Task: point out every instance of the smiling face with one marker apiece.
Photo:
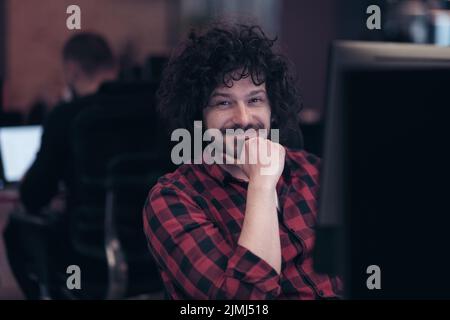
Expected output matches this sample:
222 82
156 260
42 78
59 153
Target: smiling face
243 106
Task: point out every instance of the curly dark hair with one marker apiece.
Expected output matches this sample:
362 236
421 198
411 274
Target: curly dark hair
212 58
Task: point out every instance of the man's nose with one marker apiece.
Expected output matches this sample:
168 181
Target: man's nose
242 115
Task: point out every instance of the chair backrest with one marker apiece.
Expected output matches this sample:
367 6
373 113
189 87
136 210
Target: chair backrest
129 178
121 121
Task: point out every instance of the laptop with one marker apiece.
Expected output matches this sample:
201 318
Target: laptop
18 148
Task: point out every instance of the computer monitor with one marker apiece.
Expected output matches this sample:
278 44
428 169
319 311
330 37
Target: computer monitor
385 195
18 148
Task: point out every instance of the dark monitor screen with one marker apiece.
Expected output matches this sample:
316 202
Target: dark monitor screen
398 169
385 183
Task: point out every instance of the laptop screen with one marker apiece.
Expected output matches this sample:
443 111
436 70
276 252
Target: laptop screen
18 148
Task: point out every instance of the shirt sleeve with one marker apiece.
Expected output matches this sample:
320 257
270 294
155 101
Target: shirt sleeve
194 255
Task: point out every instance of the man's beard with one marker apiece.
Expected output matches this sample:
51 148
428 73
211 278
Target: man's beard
233 143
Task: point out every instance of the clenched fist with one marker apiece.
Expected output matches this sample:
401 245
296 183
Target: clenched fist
262 161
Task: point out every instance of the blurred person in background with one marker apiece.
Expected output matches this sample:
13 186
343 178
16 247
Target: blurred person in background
88 62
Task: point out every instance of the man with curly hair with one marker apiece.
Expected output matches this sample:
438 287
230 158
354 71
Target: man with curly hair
231 231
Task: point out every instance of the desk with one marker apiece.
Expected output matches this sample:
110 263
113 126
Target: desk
9 200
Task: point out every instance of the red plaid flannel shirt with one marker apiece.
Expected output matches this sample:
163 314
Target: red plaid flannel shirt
193 219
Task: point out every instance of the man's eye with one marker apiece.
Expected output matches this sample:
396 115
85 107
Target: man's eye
223 103
255 100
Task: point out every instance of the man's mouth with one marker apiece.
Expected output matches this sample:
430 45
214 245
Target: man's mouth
242 134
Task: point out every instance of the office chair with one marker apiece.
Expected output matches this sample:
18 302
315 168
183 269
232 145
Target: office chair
118 155
130 267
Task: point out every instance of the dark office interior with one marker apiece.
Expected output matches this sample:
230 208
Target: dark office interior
120 145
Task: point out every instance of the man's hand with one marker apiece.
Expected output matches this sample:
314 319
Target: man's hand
262 161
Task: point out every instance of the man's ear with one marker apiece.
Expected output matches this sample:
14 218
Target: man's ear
273 121
72 71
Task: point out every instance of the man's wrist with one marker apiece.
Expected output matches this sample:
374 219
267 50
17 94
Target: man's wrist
262 184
